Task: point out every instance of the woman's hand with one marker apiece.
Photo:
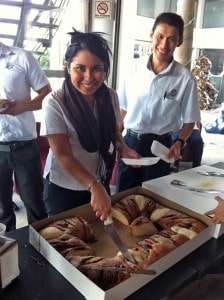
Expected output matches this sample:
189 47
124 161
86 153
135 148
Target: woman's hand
100 201
130 153
218 212
127 152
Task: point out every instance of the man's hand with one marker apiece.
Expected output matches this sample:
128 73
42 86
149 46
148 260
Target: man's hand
174 151
14 107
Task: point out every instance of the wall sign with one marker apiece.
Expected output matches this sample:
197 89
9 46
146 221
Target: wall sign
103 9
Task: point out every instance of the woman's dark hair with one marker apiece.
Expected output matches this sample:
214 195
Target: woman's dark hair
94 43
171 19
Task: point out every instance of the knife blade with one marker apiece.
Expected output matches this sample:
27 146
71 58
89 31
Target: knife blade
183 185
209 191
109 227
128 270
212 174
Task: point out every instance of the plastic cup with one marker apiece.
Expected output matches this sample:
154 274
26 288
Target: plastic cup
2 229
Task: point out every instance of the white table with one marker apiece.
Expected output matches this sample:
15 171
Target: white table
196 201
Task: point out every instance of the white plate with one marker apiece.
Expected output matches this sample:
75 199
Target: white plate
143 161
161 151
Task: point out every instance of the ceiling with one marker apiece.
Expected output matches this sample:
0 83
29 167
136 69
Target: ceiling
30 24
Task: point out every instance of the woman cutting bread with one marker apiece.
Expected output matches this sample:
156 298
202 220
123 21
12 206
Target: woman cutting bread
81 124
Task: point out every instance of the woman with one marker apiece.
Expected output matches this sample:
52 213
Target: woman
81 124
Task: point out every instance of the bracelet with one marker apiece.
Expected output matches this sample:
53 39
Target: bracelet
92 184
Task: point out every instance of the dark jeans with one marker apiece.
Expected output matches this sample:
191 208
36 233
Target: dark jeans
128 177
58 199
195 144
24 164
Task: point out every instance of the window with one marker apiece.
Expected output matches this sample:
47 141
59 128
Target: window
216 56
214 14
41 27
151 8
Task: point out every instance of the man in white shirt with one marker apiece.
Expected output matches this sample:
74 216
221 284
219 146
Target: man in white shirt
154 100
19 154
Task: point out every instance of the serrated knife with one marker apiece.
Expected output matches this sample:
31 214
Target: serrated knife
109 227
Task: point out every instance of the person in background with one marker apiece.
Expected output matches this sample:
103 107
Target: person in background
154 100
20 73
81 124
195 146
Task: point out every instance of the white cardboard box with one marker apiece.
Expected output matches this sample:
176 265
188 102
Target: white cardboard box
196 201
106 248
9 264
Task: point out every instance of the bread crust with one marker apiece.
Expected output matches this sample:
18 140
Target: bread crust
104 279
50 232
142 226
132 207
70 236
76 226
173 228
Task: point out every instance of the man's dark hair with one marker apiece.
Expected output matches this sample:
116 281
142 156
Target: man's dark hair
171 19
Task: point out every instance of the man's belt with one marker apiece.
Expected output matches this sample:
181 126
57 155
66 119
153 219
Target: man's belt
15 145
147 136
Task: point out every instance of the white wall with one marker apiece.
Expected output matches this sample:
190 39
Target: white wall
132 27
105 24
209 38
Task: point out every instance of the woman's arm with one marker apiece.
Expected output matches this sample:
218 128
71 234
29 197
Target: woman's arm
122 148
61 147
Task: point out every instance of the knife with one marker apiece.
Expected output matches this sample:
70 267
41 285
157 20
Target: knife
184 186
217 174
128 270
109 227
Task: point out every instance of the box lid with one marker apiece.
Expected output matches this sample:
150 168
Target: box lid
5 244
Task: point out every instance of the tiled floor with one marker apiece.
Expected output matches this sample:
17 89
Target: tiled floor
213 153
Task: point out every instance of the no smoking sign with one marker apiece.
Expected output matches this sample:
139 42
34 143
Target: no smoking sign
103 9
